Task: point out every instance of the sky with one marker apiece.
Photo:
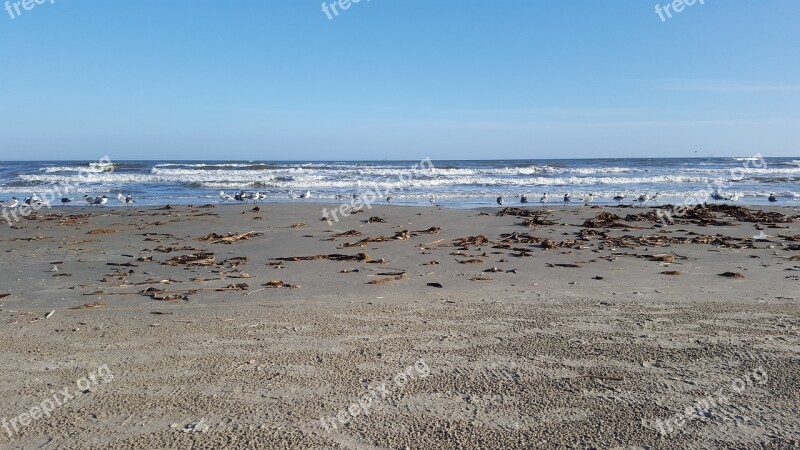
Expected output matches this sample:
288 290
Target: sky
398 79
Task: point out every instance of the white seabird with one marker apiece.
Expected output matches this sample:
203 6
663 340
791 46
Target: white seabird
644 198
101 201
306 194
656 197
13 203
89 199
544 198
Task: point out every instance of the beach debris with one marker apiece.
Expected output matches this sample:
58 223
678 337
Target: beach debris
236 261
4 295
194 259
230 238
662 258
298 225
402 276
198 426
470 261
91 305
50 314
350 233
479 278
734 275
465 242
280 284
162 295
235 287
375 219
436 285
605 220
573 266
671 272
494 269
161 313
102 231
361 257
431 263
431 230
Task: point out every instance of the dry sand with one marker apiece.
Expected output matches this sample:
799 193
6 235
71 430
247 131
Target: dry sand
584 345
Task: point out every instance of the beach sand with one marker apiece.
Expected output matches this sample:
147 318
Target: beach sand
558 335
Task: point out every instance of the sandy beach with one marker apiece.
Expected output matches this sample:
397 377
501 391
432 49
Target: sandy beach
264 326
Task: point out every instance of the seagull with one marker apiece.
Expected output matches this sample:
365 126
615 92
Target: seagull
89 199
432 199
261 196
239 196
389 199
65 200
716 196
589 199
656 197
126 200
544 198
523 199
761 236
224 196
307 194
643 199
500 200
13 203
734 197
772 198
567 199
252 196
619 198
101 201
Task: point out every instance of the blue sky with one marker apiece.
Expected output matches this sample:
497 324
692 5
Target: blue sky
398 79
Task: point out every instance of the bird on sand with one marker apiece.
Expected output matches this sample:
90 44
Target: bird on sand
567 199
544 198
619 198
500 200
772 198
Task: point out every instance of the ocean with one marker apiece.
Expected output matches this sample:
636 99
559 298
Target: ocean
458 184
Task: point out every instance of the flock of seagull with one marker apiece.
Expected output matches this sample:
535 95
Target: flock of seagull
259 197
35 201
642 199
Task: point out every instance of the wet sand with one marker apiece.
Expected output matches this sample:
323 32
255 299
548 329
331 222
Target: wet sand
222 326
